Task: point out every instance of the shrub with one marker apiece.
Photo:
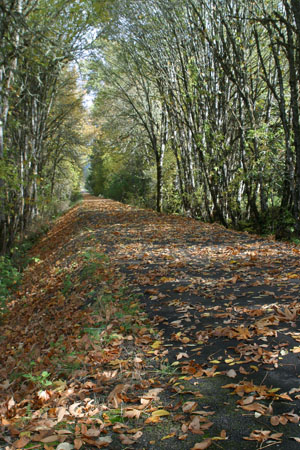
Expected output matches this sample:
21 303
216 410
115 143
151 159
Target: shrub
129 186
10 278
76 196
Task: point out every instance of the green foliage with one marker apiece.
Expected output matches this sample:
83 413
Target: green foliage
94 261
119 179
276 221
42 379
76 197
10 277
129 186
95 182
67 285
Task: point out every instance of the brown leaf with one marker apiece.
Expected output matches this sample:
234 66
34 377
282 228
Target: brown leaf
93 432
132 413
126 440
255 407
188 407
182 437
100 442
202 445
246 400
61 413
195 425
275 421
137 435
283 420
153 419
182 355
22 442
223 434
51 438
11 403
73 409
276 436
78 443
263 435
114 398
153 394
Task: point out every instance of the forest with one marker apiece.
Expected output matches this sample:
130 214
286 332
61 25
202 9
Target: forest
161 310
195 109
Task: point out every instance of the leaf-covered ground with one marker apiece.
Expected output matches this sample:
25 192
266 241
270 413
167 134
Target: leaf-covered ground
133 330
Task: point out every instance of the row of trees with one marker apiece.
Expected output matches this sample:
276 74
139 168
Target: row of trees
41 113
207 92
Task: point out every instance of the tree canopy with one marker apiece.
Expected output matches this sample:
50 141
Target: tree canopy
196 108
41 117
207 95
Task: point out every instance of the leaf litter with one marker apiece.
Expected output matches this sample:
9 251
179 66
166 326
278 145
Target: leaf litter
84 367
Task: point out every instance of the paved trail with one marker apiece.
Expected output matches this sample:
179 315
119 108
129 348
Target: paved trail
224 301
217 367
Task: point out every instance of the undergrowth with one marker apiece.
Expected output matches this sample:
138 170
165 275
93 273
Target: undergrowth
12 265
10 277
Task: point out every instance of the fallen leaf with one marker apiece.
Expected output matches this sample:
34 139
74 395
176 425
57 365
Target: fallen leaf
132 413
11 403
160 413
202 445
188 407
261 409
231 373
22 442
61 413
48 439
168 436
182 437
126 440
275 421
263 435
78 443
114 398
152 419
156 345
65 446
102 442
182 355
92 432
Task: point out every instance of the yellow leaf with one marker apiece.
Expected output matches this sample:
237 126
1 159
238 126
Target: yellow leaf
168 436
160 413
25 433
152 419
156 345
254 368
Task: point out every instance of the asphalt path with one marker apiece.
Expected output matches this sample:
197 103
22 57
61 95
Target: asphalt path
227 306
